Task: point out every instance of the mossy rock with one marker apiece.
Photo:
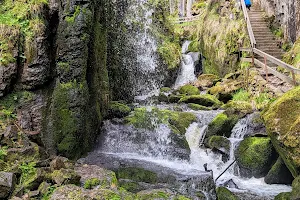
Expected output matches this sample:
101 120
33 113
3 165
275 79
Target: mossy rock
118 110
91 183
194 106
242 107
255 156
162 97
65 176
279 174
221 125
225 90
155 194
225 194
189 90
220 143
282 120
283 196
295 195
137 174
204 100
165 89
174 98
177 121
131 186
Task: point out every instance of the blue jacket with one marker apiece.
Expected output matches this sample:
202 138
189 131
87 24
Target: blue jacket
248 2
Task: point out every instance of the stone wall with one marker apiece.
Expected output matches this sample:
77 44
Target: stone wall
287 14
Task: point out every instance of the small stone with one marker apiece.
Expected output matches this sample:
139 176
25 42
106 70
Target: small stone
7 184
43 188
56 164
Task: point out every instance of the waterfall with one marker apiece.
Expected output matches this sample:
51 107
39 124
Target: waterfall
187 66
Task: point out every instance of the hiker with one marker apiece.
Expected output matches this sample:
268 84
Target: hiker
248 4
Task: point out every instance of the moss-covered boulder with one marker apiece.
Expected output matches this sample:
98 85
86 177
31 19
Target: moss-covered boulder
194 106
118 110
161 194
189 90
282 120
279 174
204 100
283 196
220 143
225 90
255 156
165 89
240 107
205 81
162 97
137 174
174 98
221 125
65 176
177 121
225 194
295 195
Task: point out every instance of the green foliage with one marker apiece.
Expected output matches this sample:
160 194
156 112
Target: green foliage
3 152
90 183
28 171
171 53
241 95
194 46
263 100
71 19
48 194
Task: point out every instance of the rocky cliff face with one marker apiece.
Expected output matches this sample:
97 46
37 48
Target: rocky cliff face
287 14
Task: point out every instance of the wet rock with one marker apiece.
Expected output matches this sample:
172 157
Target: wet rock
7 184
188 90
295 195
205 81
221 125
118 110
194 106
282 120
283 196
65 176
255 156
174 98
220 143
204 100
93 173
57 163
158 194
137 174
162 97
230 184
225 194
279 174
239 107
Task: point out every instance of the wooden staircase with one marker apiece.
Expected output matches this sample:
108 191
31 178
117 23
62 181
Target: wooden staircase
265 40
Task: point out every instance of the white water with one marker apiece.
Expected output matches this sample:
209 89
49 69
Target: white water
187 67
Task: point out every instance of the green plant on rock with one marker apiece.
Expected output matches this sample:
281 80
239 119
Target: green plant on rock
3 152
28 172
241 95
171 54
71 19
48 194
90 183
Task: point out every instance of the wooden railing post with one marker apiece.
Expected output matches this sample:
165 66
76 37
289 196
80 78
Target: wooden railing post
266 69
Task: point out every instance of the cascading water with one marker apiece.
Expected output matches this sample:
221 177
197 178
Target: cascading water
187 67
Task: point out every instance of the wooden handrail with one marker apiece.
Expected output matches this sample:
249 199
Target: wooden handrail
276 61
249 27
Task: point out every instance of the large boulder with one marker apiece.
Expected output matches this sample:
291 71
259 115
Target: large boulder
255 156
7 184
282 120
118 109
225 194
220 143
137 174
221 125
204 100
295 195
189 90
279 174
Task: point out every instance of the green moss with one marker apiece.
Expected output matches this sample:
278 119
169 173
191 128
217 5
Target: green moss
296 189
165 89
153 194
29 174
194 46
63 66
171 53
130 186
189 90
162 97
283 196
205 100
65 176
239 106
137 174
174 98
177 121
219 142
71 19
225 194
194 106
221 125
282 119
118 109
90 183
255 154
241 95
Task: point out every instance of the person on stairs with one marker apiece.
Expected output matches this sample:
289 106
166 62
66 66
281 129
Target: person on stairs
248 4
